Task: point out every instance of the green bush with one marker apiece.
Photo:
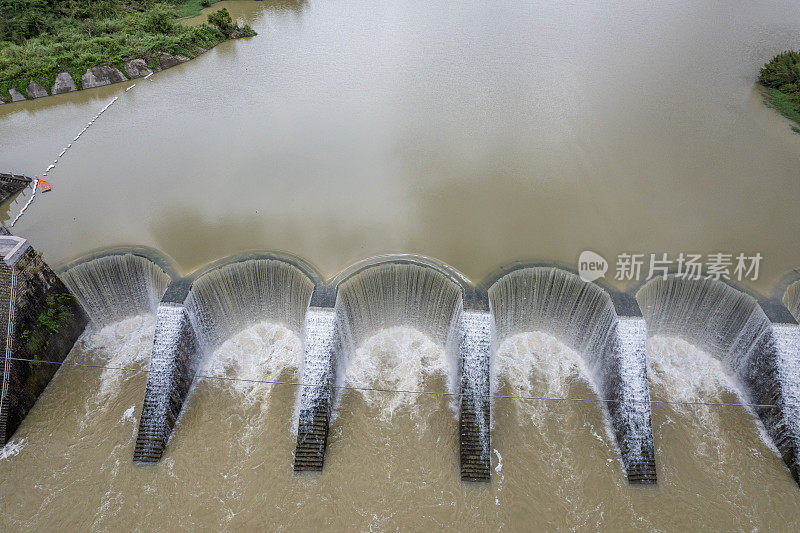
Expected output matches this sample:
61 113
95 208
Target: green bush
782 72
159 19
781 76
223 21
57 315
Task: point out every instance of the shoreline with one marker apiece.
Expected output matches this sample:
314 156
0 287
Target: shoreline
107 74
158 43
781 102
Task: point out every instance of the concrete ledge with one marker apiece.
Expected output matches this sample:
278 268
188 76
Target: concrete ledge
173 365
474 420
321 345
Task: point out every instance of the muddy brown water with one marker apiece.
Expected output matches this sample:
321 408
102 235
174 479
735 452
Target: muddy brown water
391 461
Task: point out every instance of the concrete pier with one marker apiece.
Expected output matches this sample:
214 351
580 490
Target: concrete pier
173 365
474 420
320 347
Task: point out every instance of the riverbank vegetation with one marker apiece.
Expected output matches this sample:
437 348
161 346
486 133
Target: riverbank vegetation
40 38
781 77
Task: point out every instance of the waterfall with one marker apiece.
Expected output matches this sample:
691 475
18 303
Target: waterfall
235 296
583 316
558 303
792 299
719 319
115 287
761 356
398 294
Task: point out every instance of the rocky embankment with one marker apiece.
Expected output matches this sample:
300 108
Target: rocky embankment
103 75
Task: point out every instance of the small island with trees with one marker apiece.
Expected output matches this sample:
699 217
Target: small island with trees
56 46
781 78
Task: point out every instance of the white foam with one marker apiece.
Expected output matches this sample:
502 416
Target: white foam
12 448
398 358
538 364
124 344
680 372
260 352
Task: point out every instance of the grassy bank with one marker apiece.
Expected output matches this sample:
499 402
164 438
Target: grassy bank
40 38
192 8
781 77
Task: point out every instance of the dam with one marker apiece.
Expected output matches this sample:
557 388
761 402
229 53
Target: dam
754 337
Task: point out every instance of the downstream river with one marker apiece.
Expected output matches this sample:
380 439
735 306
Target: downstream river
474 132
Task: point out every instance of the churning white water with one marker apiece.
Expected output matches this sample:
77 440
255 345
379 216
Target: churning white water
122 347
259 353
538 364
695 380
399 358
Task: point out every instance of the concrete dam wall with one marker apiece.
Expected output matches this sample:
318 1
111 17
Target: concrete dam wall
755 337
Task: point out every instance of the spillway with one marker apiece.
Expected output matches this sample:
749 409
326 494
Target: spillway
393 294
230 298
197 315
588 320
372 299
759 352
115 287
756 339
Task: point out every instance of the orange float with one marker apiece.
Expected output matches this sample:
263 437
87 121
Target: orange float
44 186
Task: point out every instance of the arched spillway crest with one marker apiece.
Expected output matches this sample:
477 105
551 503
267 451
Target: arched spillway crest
230 298
117 285
585 317
755 338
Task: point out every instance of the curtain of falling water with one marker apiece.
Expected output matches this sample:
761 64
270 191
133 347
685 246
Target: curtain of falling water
727 323
399 294
233 297
556 302
116 287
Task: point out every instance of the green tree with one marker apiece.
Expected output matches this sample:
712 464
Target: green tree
159 19
782 72
223 21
